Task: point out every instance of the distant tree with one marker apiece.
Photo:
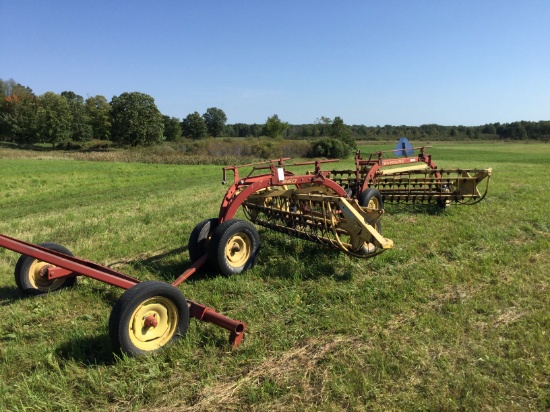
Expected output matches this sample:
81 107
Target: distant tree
241 129
172 128
19 117
136 120
98 110
55 119
306 131
360 130
4 128
256 130
274 127
194 126
342 132
81 130
11 88
215 121
230 131
324 120
329 147
323 125
519 131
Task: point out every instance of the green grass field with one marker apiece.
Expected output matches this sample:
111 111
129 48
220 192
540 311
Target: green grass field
455 317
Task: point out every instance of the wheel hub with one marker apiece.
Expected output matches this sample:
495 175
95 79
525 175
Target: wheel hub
153 323
237 250
38 276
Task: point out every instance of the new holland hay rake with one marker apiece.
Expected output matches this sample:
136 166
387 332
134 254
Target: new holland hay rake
413 179
311 206
151 314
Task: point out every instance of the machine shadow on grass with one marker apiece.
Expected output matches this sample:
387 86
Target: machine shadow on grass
93 350
301 259
400 208
309 262
88 350
8 295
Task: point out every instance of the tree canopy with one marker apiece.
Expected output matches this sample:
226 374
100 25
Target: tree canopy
133 119
81 130
340 131
55 119
98 110
136 120
19 118
275 127
194 126
172 129
215 121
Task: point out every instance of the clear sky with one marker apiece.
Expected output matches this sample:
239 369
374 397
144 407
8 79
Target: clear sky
372 62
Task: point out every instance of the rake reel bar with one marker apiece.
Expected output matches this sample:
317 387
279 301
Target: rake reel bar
332 221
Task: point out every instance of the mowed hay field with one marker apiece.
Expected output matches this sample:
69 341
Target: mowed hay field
455 317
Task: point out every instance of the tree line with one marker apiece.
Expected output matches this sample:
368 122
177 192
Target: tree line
133 119
520 130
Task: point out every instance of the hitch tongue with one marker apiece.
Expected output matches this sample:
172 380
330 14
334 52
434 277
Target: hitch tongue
206 314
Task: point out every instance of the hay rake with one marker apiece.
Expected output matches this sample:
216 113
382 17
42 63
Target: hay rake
310 207
414 180
151 314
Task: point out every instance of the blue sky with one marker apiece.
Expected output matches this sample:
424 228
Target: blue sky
398 62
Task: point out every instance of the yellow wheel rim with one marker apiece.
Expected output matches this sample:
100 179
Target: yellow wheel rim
42 283
373 203
153 323
237 250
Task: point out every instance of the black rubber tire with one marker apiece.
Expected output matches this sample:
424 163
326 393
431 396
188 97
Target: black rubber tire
161 300
373 196
29 283
244 236
200 237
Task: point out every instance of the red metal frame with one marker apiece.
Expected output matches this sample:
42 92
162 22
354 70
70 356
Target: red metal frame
377 163
69 263
66 266
235 197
